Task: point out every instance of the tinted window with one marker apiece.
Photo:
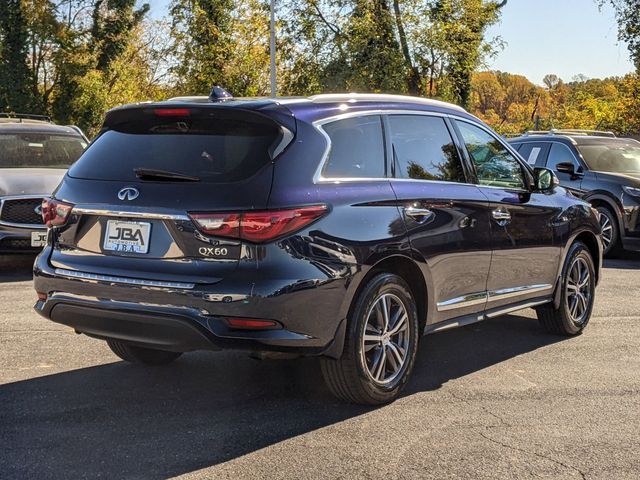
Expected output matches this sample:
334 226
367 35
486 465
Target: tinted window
495 165
621 156
217 147
533 153
423 149
560 153
37 150
357 148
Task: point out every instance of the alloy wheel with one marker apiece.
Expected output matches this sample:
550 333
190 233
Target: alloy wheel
607 231
578 292
386 338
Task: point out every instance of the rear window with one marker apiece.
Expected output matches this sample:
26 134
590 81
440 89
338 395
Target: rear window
37 150
214 146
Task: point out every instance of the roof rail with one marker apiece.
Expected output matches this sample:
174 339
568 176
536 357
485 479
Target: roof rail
25 116
571 131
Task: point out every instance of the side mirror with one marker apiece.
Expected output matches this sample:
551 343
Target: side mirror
566 167
545 180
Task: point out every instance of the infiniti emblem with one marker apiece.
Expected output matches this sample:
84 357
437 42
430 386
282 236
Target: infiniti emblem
128 193
38 210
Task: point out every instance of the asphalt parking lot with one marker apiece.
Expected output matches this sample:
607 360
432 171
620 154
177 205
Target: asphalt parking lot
499 399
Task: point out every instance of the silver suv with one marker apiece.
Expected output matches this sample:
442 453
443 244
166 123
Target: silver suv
34 156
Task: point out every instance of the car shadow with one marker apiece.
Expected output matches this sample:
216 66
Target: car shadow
119 420
16 267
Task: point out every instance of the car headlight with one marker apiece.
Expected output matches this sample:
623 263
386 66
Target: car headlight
633 191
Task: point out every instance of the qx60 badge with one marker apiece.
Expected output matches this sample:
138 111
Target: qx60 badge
128 193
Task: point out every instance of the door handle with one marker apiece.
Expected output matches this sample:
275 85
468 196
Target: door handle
502 217
419 215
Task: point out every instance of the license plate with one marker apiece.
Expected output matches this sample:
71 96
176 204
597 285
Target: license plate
38 239
127 237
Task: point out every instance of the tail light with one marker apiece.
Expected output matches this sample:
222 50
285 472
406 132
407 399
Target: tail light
258 226
54 212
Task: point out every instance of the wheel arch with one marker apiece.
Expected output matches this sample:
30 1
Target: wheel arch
595 249
599 199
405 267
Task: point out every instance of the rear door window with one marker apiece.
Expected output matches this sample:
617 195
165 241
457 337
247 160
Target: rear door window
213 145
357 148
535 154
423 149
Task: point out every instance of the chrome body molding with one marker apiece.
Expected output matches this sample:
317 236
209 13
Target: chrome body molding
94 277
31 226
130 212
463 302
505 293
490 296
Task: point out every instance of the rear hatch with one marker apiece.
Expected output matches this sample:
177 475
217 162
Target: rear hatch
135 188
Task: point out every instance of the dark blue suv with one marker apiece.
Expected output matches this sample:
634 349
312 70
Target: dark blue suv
342 226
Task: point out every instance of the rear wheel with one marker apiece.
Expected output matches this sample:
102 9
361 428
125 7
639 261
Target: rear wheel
610 231
146 356
381 344
578 292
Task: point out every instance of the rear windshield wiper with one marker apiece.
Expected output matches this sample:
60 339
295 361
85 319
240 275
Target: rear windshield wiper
151 174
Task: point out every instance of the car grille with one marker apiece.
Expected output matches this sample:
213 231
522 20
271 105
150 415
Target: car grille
21 211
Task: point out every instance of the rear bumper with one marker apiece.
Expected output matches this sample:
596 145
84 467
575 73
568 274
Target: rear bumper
177 319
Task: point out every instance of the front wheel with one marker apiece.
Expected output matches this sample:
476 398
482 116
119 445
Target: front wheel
146 356
380 346
610 231
578 286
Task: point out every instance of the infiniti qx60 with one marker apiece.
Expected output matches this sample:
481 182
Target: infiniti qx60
339 226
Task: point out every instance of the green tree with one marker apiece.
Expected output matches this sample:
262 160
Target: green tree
16 79
464 24
201 30
113 22
628 15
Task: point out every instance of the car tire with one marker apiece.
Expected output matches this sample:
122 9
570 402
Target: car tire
363 374
146 356
578 285
610 231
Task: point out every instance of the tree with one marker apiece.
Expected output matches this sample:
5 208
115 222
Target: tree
628 16
464 23
113 22
16 79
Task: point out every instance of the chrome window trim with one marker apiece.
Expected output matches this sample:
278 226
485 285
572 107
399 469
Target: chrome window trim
30 226
131 212
94 277
318 124
478 298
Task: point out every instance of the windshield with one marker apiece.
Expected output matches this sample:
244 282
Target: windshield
39 150
615 157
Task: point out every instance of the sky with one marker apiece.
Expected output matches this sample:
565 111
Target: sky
565 37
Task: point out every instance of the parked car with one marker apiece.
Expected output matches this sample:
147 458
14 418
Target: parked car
599 168
342 226
34 156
